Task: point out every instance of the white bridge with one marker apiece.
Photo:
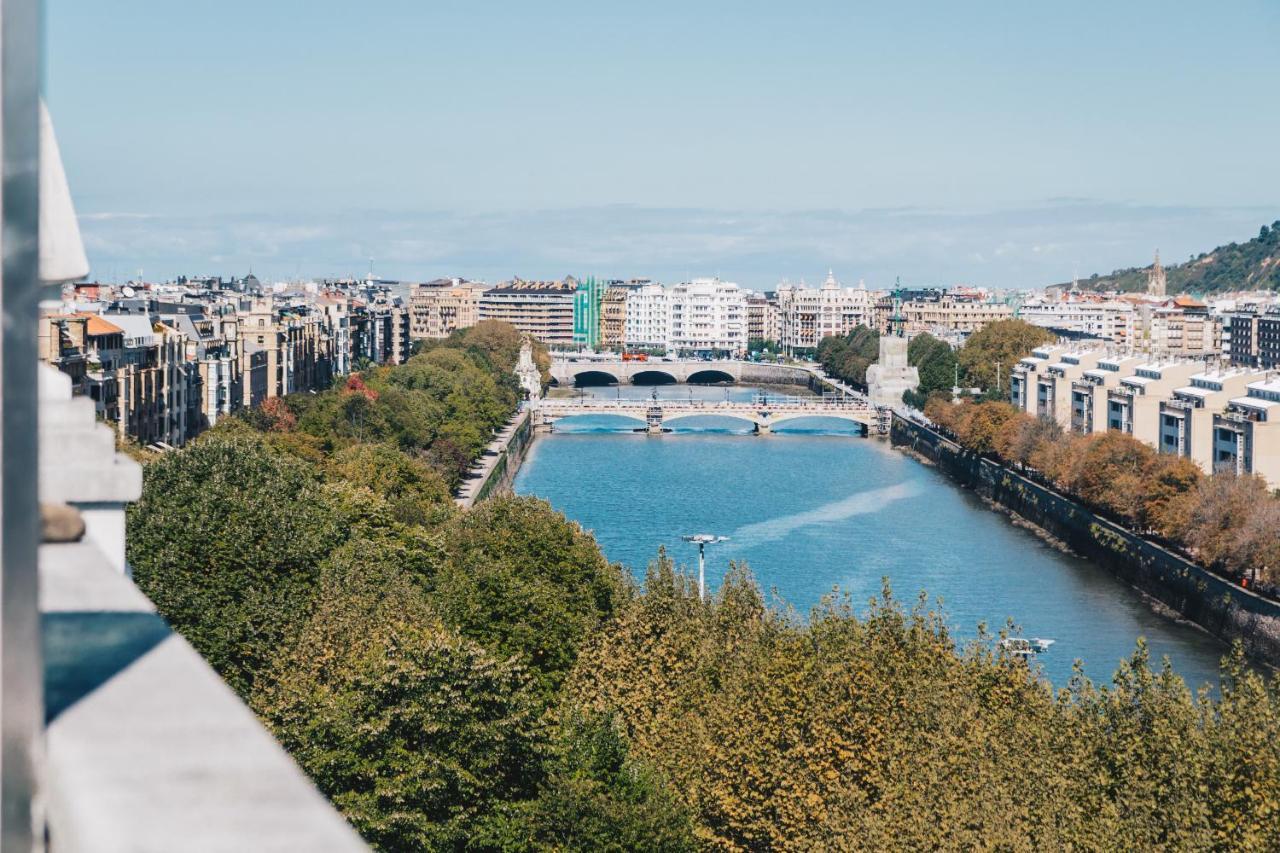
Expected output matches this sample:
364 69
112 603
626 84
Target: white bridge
568 372
764 411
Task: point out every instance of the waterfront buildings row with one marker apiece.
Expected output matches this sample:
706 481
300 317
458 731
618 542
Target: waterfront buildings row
1222 417
703 316
164 363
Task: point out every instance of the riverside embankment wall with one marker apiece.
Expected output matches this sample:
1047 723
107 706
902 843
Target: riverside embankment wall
1214 603
509 454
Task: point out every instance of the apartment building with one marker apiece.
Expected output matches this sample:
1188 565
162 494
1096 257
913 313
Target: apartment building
543 309
1184 328
764 321
613 318
1089 392
1055 383
708 317
1023 377
1133 406
938 312
441 307
806 315
1251 338
648 318
1246 436
1186 417
1083 316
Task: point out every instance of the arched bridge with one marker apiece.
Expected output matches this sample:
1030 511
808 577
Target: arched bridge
618 372
764 412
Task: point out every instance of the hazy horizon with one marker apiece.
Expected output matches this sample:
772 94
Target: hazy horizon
942 144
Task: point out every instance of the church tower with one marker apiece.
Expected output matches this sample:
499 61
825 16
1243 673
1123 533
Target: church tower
1156 278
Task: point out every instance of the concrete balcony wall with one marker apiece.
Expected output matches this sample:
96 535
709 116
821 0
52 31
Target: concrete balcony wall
146 748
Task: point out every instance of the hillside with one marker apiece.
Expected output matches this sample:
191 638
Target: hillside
1253 265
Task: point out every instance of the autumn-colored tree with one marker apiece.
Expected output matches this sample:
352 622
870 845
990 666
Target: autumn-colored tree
1004 341
1115 473
986 424
1172 483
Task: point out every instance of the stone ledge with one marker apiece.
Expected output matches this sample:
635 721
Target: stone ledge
147 748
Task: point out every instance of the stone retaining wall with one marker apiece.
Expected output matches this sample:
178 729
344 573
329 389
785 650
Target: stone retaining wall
1214 603
503 474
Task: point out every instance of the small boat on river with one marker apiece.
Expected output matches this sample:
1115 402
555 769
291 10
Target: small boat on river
1023 647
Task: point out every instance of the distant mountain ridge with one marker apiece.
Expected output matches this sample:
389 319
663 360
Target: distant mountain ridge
1253 265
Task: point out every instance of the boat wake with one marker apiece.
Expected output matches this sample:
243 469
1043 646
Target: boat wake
861 503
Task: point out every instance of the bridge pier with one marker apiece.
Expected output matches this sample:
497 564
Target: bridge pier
763 428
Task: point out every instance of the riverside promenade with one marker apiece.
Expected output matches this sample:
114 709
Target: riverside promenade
494 461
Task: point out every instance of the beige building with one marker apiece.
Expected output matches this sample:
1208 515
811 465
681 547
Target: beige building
1246 437
1186 418
1183 327
763 318
543 309
439 308
1055 383
1089 392
1133 406
613 318
1023 376
942 315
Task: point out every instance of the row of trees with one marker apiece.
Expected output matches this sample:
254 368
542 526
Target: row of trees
1229 523
486 680
875 733
983 362
408 655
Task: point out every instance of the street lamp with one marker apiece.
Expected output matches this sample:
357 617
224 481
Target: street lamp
703 540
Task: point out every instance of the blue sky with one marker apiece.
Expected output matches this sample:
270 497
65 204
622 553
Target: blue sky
991 143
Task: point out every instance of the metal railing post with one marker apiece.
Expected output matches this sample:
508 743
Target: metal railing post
21 673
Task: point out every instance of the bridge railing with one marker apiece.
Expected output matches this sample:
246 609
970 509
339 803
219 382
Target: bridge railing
764 401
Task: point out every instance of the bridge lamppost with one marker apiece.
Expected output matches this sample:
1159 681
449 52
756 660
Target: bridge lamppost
703 540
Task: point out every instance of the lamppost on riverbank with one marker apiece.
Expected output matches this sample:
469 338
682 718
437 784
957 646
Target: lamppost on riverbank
703 540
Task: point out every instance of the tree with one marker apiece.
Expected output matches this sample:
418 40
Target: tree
415 733
1004 341
226 540
936 362
526 582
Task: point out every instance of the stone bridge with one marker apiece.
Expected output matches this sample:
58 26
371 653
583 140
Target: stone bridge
763 412
617 372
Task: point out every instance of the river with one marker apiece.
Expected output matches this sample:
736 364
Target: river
818 509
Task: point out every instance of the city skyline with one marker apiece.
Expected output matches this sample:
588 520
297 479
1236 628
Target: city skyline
1007 148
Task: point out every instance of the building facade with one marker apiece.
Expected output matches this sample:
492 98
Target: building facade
543 309
806 315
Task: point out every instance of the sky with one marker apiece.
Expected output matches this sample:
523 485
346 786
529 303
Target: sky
1006 144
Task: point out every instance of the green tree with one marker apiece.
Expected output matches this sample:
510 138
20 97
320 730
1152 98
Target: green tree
525 582
226 540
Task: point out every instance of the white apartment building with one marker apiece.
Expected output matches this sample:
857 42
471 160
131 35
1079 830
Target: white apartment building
1103 318
702 316
806 315
648 320
708 316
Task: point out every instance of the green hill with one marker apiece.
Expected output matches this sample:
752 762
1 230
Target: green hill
1254 265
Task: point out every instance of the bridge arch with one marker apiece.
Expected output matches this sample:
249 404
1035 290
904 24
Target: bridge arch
593 378
710 376
747 421
653 377
785 421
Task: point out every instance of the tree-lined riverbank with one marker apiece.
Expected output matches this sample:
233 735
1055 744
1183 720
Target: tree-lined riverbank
488 680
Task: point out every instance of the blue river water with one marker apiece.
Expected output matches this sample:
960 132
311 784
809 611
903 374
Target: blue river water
818 509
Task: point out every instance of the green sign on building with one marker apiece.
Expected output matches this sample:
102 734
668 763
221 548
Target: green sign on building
587 302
